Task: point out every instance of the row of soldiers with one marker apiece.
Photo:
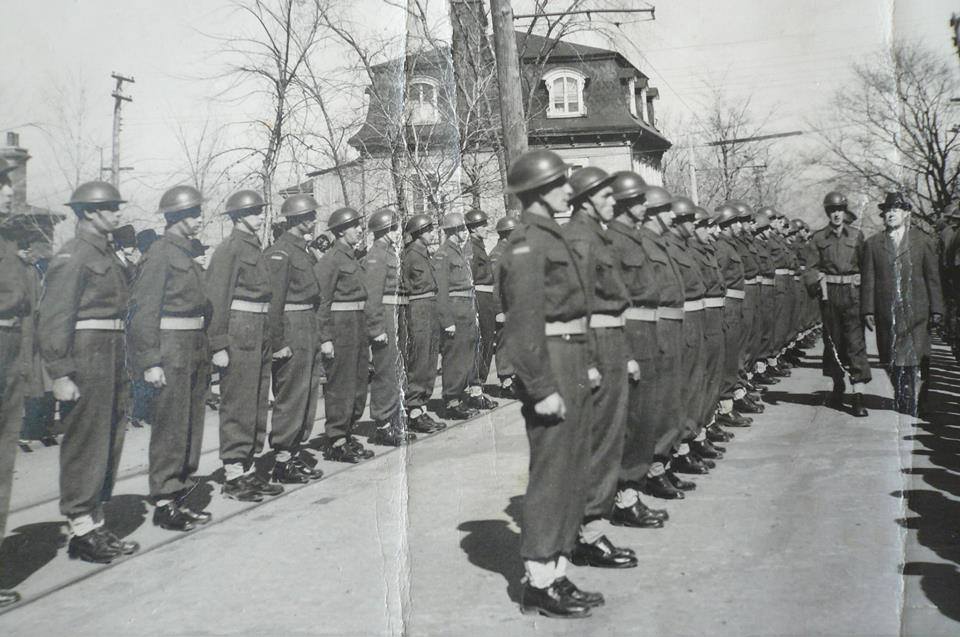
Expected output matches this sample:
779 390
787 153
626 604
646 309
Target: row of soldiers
638 332
274 320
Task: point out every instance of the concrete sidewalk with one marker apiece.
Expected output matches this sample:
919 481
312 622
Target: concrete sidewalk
799 531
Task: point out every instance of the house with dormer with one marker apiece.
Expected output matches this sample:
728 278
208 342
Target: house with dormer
429 139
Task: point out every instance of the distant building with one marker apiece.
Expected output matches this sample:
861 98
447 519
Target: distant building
435 141
40 221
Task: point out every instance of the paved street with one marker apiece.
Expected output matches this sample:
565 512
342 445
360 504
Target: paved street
804 529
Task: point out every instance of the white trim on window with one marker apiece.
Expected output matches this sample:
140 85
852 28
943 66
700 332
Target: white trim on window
565 91
422 95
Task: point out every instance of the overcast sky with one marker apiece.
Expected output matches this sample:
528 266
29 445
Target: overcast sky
789 55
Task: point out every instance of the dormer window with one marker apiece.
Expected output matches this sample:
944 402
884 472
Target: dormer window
565 87
422 101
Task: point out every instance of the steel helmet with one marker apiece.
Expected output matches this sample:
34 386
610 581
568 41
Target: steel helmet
383 219
475 218
243 200
453 221
507 224
726 215
746 212
296 205
95 192
341 218
6 166
761 221
657 197
627 185
588 178
796 225
702 217
417 224
835 199
180 198
534 169
683 208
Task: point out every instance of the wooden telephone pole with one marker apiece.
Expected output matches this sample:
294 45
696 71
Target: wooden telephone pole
512 122
118 99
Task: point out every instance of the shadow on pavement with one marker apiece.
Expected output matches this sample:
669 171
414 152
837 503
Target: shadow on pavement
935 515
28 549
124 514
493 546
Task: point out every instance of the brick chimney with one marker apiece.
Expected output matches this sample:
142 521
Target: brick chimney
12 152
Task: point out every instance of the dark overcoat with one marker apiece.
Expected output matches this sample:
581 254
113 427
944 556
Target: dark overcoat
901 288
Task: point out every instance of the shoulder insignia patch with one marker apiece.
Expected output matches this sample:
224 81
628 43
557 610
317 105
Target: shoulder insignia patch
63 255
277 257
522 249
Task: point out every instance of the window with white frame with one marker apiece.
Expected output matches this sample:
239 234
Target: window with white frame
565 87
422 101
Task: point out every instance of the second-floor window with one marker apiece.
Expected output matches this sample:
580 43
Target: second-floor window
422 101
565 87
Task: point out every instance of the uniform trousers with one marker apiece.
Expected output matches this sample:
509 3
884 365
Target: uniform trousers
557 491
766 321
844 348
245 389
504 368
784 316
460 350
487 326
733 338
667 410
421 351
713 360
176 432
93 425
609 418
748 333
345 394
11 413
296 382
693 379
645 414
386 384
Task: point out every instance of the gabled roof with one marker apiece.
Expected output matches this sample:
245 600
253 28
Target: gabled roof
532 45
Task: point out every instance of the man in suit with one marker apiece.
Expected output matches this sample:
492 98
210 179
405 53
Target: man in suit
901 297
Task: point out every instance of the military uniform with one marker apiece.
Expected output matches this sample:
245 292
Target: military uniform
694 353
734 321
750 335
714 340
504 369
81 336
607 298
422 333
456 307
343 322
15 309
481 269
844 349
385 300
238 285
292 321
545 338
168 313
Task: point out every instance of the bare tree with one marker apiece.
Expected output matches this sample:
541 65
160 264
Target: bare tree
68 131
268 62
892 127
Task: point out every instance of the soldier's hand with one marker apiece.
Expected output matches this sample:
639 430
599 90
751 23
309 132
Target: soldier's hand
633 370
380 339
155 377
501 318
326 349
551 407
593 375
221 359
450 330
869 322
935 320
286 352
65 390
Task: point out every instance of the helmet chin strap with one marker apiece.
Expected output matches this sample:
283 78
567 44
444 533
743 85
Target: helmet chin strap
246 224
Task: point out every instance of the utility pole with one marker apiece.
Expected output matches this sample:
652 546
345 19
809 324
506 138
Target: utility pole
512 122
118 99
